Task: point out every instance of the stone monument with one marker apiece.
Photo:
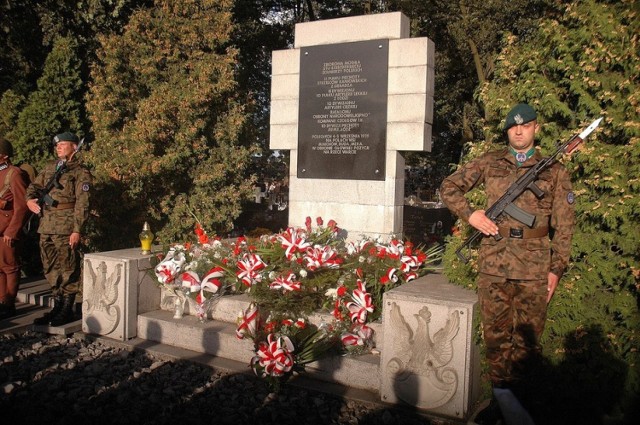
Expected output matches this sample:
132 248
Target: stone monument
350 95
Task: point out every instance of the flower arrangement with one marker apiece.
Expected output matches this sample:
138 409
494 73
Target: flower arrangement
289 276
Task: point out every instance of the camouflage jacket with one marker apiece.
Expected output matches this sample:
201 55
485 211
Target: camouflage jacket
73 199
526 259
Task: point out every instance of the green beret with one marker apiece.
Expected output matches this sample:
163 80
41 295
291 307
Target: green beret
519 114
66 137
6 148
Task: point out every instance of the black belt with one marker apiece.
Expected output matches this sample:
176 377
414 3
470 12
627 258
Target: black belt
519 233
62 206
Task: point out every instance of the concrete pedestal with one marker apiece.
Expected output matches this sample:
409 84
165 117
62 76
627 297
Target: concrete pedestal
117 286
429 358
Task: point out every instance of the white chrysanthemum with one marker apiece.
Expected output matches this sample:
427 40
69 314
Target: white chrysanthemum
303 273
332 292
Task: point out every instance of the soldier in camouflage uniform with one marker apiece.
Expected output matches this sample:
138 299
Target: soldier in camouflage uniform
61 226
519 273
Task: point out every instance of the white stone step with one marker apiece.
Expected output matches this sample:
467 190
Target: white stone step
218 338
35 292
229 307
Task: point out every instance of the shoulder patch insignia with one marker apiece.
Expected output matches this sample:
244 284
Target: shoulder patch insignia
570 198
85 187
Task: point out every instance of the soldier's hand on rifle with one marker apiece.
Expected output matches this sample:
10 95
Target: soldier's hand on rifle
482 223
33 206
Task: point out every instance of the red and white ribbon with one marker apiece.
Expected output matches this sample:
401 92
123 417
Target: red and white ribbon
248 322
167 270
321 256
361 304
390 276
274 356
211 278
360 335
409 263
286 283
248 269
191 281
293 240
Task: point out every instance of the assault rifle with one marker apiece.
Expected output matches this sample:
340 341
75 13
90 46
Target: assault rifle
505 204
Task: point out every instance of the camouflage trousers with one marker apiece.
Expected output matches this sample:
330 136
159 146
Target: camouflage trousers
61 264
513 317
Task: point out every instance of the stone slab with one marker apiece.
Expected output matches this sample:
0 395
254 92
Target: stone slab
355 28
66 329
430 360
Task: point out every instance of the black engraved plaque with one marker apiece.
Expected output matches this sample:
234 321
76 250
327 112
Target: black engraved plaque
343 111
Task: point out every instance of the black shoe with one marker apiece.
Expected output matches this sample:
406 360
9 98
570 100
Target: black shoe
490 415
7 310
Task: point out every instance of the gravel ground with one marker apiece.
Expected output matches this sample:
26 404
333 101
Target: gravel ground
48 379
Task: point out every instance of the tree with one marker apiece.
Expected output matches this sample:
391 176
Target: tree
167 121
20 37
56 105
582 63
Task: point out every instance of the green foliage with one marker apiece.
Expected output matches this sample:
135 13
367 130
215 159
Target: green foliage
54 107
11 103
167 121
581 64
20 58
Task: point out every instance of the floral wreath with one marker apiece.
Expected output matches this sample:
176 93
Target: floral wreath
290 275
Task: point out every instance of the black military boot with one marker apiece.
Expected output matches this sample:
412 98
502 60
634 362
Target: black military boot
57 305
65 315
